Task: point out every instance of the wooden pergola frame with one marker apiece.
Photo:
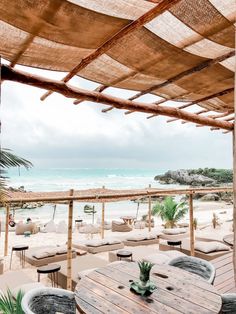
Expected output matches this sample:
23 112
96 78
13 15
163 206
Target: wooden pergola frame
154 109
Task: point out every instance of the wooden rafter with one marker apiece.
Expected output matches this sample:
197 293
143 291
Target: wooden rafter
11 74
128 29
48 13
200 67
197 113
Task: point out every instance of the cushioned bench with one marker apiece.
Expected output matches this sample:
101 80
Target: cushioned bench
141 239
99 245
43 255
208 253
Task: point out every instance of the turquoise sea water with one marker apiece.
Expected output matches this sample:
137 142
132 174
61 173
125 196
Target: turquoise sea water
55 179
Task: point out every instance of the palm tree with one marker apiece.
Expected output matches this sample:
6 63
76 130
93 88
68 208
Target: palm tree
170 211
8 160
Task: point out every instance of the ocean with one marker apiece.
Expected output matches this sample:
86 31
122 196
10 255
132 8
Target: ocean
55 179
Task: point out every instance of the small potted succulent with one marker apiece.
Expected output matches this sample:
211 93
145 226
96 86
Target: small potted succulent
144 286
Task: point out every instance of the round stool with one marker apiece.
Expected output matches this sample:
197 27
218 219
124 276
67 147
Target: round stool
124 254
175 243
52 270
21 249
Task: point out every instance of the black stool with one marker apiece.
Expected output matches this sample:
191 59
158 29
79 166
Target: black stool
52 270
175 243
124 254
21 249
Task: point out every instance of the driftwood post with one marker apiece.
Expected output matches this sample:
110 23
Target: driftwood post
69 243
103 218
6 230
234 194
191 227
149 211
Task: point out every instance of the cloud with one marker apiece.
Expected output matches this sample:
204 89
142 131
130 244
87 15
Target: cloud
57 133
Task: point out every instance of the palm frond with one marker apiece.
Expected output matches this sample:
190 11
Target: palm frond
8 159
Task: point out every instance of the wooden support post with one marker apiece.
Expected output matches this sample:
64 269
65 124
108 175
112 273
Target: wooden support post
234 198
69 244
6 230
149 211
103 218
191 227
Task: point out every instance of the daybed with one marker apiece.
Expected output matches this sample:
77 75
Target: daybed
207 250
79 264
174 234
39 256
99 245
119 226
141 239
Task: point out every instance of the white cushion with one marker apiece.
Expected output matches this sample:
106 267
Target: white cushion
137 237
50 226
62 227
47 252
212 246
157 258
96 242
26 287
62 249
174 231
113 241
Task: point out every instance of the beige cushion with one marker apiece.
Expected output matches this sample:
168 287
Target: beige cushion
137 237
49 252
174 231
113 241
212 246
174 253
96 242
61 249
157 258
26 287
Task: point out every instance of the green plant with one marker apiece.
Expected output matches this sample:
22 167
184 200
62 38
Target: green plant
145 268
11 305
170 211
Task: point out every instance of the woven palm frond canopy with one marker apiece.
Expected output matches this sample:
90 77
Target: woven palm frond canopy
181 50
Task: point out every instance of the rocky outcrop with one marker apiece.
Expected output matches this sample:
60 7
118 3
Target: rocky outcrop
185 177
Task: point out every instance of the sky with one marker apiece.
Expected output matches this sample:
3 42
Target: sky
56 133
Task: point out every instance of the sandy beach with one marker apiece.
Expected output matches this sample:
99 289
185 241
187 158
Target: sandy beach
202 210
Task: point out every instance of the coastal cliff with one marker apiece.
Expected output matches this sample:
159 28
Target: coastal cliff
196 177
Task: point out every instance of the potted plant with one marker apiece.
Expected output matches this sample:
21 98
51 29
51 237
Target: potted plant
144 286
170 211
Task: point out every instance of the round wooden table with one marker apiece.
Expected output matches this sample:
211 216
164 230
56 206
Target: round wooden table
128 219
107 290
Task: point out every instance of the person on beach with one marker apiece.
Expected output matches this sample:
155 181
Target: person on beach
11 221
28 220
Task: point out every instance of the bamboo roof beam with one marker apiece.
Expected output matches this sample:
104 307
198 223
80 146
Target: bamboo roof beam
198 68
128 29
69 91
99 89
201 66
197 113
48 13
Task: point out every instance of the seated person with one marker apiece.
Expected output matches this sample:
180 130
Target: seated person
28 220
11 221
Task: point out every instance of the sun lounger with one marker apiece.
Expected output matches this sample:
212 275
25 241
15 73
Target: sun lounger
39 256
118 226
79 264
98 245
174 234
185 248
141 239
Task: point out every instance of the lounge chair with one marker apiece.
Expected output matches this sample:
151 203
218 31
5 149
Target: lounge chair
79 265
39 256
196 266
141 239
228 303
118 226
98 245
202 249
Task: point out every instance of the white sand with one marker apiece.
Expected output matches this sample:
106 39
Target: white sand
203 211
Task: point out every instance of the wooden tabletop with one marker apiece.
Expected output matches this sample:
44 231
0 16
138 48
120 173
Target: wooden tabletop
107 290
